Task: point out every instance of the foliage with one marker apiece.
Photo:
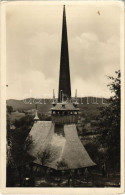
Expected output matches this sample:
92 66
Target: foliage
110 124
44 117
44 156
24 122
61 164
19 145
48 155
93 150
9 109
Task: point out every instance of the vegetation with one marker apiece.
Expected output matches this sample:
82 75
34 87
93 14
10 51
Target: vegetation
110 124
104 148
103 144
9 109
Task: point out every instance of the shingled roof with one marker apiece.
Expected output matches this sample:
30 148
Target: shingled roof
57 151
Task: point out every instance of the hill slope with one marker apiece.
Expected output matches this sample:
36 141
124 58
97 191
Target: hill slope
45 105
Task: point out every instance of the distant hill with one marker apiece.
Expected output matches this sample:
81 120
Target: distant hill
45 105
29 104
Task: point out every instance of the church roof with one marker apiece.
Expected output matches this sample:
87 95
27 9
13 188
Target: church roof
68 106
55 150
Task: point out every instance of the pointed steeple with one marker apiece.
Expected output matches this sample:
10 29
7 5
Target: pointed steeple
36 118
54 100
64 78
76 102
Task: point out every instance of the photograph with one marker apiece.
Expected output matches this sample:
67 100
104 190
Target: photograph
64 81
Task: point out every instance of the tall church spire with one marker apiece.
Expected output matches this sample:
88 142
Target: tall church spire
64 78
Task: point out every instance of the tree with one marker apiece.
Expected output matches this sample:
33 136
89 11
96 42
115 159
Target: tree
110 124
9 109
18 147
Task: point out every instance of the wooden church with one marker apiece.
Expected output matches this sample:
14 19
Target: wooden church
55 143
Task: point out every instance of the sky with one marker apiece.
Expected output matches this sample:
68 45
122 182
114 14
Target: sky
33 44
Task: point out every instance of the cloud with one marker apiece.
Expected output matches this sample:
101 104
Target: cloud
90 88
32 85
34 44
90 58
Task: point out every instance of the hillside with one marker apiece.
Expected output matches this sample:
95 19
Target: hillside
85 104
22 105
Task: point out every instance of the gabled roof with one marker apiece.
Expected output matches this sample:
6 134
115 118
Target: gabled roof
58 151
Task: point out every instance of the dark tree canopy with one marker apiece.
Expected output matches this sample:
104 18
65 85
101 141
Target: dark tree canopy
9 109
110 123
